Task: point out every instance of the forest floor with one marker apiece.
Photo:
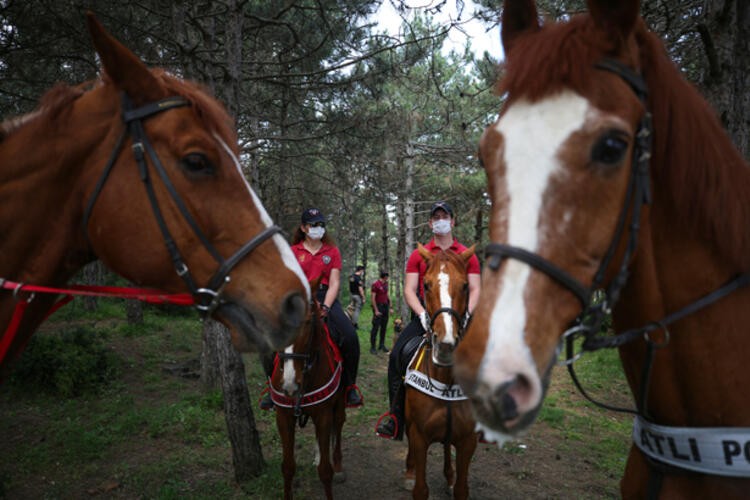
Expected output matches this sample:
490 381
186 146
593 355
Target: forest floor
157 435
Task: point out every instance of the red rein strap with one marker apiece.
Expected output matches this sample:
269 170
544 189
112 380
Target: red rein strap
142 294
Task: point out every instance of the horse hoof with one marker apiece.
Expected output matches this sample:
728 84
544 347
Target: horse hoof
339 477
409 483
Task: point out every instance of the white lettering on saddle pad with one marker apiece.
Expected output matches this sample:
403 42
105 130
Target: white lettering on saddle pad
434 388
721 451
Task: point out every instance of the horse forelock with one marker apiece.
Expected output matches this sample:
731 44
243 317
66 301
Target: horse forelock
207 107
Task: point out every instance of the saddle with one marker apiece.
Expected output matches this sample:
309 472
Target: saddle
408 351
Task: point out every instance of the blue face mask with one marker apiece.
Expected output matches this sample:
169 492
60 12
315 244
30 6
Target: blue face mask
441 226
316 233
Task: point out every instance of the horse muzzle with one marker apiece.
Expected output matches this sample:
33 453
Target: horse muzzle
264 332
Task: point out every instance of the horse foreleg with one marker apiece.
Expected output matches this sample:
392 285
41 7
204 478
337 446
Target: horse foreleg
450 476
323 435
464 451
409 473
339 417
285 423
418 452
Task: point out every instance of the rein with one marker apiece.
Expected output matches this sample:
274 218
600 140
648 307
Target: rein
208 297
142 294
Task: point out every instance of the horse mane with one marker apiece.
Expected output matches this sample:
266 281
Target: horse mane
693 158
50 104
59 97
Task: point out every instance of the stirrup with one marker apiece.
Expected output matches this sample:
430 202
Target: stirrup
354 388
266 393
395 426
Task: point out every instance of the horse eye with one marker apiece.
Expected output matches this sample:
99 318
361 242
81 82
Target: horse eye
197 163
426 286
610 149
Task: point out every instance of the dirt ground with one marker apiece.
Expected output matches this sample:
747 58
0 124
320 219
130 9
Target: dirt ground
542 465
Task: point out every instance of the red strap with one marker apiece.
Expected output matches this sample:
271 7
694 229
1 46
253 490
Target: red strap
142 294
10 333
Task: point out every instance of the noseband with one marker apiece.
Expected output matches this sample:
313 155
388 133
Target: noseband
207 298
460 321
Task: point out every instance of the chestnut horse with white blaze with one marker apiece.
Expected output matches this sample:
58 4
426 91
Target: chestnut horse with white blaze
436 409
140 170
306 384
608 171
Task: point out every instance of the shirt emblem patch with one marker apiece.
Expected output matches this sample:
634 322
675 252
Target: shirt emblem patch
326 259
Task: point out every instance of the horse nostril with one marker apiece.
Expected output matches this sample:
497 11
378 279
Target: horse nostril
293 310
509 397
508 407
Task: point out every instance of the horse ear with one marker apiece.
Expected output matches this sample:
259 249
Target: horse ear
616 18
314 284
519 16
124 69
466 254
426 254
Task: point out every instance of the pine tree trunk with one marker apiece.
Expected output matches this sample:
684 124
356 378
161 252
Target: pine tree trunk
725 33
247 455
134 312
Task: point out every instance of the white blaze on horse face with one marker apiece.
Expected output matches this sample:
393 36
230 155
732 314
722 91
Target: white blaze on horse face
533 134
289 385
286 252
444 280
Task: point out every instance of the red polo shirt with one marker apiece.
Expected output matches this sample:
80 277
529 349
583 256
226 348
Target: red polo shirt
318 264
379 290
416 263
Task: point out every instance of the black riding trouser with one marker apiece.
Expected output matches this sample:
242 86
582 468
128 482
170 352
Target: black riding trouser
379 323
397 365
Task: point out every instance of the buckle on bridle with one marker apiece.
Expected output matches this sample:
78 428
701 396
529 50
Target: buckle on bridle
570 335
214 298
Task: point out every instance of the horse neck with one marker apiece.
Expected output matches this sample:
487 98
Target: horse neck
694 379
43 184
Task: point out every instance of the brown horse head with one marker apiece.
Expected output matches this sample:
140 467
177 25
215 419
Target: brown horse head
304 362
141 170
446 298
577 205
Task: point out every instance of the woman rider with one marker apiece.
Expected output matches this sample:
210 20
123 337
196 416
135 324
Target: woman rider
321 259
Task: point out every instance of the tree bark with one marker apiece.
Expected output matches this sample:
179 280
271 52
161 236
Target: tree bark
725 34
247 455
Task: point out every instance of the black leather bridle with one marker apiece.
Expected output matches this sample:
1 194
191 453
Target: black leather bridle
460 322
208 297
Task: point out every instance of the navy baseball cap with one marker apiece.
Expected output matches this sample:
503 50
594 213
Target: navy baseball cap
312 215
441 205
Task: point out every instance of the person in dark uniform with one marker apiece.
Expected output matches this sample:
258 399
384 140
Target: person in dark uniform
357 293
391 424
320 258
381 305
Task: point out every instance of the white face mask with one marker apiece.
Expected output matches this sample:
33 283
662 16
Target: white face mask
316 233
441 226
